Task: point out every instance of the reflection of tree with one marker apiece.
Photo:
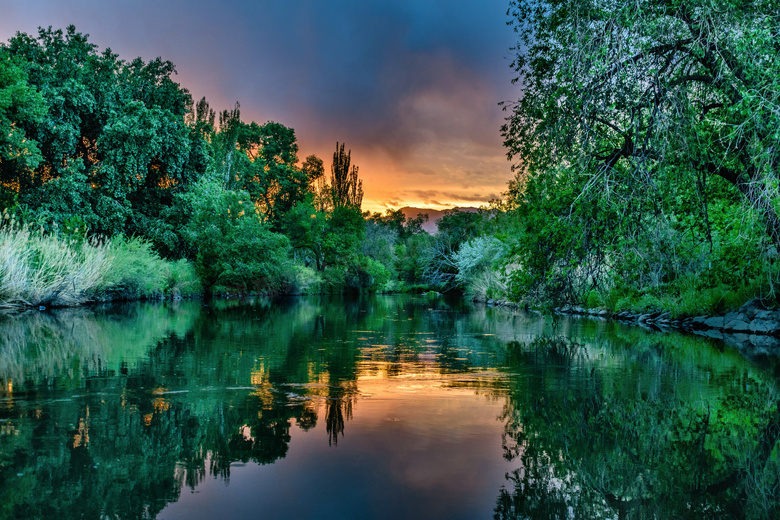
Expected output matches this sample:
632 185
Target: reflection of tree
338 409
589 448
112 416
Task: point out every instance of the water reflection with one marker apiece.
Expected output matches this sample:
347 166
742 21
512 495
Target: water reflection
130 412
649 444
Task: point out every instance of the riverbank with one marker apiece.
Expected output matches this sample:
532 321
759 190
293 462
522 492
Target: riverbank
43 270
753 329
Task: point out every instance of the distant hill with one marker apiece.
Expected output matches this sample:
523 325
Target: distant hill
433 216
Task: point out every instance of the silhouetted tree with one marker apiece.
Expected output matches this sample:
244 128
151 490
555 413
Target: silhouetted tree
346 189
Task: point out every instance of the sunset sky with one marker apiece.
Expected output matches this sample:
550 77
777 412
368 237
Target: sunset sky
411 86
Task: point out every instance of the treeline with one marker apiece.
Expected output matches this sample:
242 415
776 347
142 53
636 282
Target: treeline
115 184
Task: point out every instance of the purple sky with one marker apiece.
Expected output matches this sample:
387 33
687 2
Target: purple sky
411 87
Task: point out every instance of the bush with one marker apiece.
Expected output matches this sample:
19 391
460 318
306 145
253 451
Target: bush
136 271
43 269
39 269
183 281
303 280
235 249
477 262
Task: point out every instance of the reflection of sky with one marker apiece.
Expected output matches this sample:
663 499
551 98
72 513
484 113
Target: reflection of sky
411 86
410 451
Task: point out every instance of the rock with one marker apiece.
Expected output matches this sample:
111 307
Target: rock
764 326
751 307
578 310
712 333
740 338
766 342
699 320
736 325
603 312
714 323
644 318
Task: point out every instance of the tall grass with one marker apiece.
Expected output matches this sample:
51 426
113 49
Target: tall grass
41 269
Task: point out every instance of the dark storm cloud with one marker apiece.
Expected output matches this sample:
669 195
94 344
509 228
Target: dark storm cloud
408 82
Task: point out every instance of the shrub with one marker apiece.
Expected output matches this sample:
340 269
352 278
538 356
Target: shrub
44 269
136 271
477 261
235 249
39 269
303 280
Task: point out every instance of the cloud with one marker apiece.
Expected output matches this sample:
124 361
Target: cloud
411 86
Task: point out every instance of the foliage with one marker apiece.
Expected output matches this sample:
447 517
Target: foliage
455 228
411 256
137 272
645 138
44 269
477 261
379 245
112 146
234 248
346 189
19 101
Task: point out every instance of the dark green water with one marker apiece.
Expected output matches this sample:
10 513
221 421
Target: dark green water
379 407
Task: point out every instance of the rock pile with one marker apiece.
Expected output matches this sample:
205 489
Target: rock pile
754 329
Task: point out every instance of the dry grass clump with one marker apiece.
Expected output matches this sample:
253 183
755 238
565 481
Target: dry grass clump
44 269
39 269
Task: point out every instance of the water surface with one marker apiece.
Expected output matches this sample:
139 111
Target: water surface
375 407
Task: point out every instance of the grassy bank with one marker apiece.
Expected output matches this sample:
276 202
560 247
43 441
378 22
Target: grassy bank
45 269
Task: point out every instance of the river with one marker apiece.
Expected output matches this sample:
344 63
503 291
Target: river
376 407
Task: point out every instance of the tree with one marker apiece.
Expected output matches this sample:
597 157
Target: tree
263 161
307 227
19 101
346 189
233 247
645 112
114 146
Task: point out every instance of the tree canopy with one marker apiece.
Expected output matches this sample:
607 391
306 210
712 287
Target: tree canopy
639 124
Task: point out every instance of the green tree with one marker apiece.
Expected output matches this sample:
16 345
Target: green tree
263 161
635 119
234 248
19 101
114 145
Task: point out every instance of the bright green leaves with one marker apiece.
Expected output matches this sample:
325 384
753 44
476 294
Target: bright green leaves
263 161
629 117
234 249
19 102
107 137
